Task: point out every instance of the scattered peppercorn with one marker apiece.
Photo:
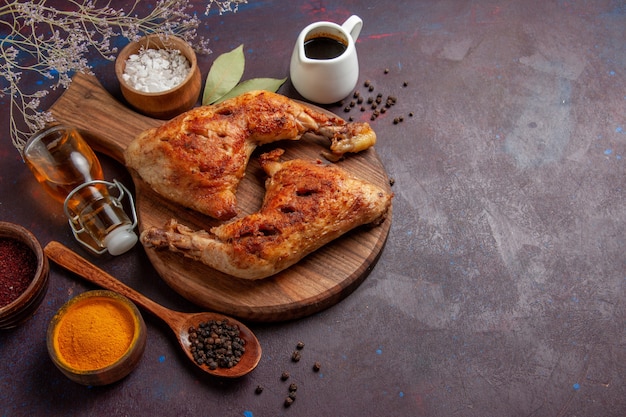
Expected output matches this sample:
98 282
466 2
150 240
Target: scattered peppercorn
18 265
258 390
288 401
300 345
293 387
216 344
376 105
284 376
317 366
392 181
295 356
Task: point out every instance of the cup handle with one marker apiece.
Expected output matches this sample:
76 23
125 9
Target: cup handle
353 26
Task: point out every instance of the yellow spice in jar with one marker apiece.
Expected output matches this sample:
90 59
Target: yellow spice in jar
94 333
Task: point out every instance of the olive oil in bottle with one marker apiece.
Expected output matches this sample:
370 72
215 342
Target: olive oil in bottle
68 169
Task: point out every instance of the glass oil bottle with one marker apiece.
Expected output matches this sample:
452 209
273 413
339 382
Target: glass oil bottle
68 169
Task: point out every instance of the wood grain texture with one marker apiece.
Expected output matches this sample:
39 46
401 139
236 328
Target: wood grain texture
317 282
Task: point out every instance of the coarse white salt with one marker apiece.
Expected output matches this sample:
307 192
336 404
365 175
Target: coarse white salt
156 70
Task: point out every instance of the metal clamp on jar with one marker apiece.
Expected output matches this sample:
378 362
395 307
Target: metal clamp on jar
69 171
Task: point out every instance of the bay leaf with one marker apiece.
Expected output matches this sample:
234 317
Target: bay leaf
225 73
267 84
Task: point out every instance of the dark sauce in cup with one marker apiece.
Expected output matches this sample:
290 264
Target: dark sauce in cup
324 47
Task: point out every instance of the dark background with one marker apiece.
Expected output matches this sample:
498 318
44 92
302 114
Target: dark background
501 288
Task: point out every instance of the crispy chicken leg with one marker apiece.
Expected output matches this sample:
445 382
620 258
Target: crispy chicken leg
306 205
198 158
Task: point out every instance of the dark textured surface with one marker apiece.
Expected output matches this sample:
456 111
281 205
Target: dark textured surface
501 289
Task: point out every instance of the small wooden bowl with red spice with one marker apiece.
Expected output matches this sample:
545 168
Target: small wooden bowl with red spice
24 274
97 338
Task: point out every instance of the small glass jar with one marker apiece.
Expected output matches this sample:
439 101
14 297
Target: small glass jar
68 169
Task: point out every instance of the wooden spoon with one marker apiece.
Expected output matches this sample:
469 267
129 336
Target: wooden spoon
178 322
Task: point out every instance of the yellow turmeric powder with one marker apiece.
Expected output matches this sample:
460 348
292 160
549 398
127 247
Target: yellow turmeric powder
94 333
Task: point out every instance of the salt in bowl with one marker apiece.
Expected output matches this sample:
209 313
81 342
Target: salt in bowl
165 104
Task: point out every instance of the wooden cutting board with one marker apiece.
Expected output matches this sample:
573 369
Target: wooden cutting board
315 283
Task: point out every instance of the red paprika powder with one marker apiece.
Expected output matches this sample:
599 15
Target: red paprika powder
18 265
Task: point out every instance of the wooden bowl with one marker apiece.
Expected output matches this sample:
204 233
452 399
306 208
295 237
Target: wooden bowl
25 305
166 104
110 372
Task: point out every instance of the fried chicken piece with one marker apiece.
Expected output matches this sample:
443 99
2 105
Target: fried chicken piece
198 158
307 204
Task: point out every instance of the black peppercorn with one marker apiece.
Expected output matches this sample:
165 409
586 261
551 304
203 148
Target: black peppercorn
288 401
293 387
258 390
295 356
317 366
216 344
284 376
300 345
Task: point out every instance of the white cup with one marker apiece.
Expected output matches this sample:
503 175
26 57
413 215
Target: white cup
322 71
